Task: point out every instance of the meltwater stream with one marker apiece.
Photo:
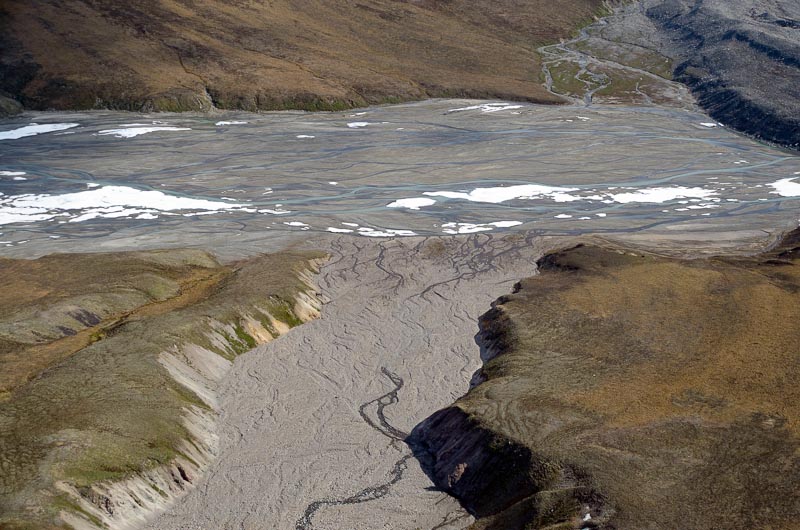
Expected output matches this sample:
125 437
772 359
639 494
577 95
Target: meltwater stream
238 181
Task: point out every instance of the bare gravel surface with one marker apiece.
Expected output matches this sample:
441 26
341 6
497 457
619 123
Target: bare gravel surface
312 424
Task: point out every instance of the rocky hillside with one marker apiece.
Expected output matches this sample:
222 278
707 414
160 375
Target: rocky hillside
627 390
740 58
308 54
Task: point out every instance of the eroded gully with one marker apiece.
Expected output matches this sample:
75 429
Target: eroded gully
312 425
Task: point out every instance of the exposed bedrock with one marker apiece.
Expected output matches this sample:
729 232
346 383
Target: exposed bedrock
501 481
622 389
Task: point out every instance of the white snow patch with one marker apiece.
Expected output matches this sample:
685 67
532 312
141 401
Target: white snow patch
658 195
220 123
464 228
305 136
339 230
506 193
132 132
412 204
488 107
358 124
33 129
386 232
710 125
786 187
294 223
506 224
601 214
105 202
562 216
354 225
470 228
12 173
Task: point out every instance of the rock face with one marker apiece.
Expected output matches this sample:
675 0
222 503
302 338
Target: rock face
312 55
740 58
626 390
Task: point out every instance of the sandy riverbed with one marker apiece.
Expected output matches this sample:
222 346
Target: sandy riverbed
313 417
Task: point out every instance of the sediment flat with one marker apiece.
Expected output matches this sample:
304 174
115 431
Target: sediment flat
312 425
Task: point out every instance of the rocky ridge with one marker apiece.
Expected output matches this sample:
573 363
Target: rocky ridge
741 60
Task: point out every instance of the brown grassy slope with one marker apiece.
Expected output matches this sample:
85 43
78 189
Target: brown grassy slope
645 391
54 306
313 54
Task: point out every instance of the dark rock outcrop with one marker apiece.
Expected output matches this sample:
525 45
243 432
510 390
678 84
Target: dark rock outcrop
500 480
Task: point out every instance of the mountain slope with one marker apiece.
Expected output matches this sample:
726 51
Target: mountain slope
184 54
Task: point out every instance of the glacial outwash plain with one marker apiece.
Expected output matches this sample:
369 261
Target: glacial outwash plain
399 265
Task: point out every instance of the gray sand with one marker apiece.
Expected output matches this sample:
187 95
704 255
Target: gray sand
402 312
404 152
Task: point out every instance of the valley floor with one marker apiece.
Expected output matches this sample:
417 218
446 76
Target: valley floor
312 425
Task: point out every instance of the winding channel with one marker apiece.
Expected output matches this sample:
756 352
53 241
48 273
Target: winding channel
300 426
383 426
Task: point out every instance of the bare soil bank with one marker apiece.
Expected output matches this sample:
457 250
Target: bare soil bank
627 390
312 55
